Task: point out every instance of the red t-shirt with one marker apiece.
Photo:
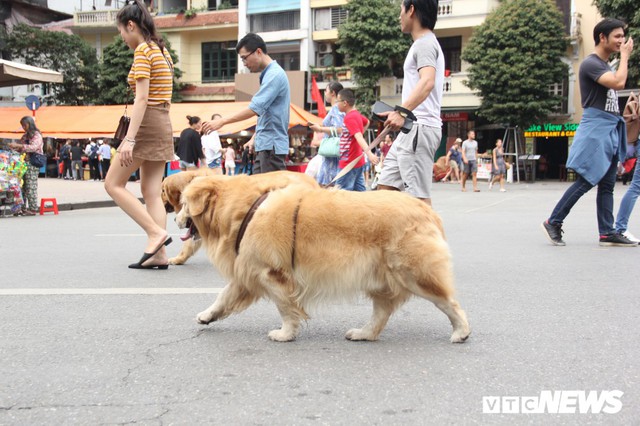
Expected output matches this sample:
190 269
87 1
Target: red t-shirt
354 122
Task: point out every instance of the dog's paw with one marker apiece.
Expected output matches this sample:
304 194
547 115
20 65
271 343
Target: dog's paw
359 334
204 318
460 336
176 261
281 336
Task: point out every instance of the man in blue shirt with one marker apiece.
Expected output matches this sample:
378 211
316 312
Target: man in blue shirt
271 105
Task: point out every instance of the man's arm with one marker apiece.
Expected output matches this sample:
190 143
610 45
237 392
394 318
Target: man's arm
210 126
618 79
416 97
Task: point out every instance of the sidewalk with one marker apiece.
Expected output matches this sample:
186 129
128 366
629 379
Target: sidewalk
72 195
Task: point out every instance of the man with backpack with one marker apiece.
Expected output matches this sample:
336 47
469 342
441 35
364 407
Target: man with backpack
65 157
94 163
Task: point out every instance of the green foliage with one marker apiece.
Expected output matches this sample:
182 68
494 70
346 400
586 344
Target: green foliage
629 12
116 63
68 54
515 55
373 44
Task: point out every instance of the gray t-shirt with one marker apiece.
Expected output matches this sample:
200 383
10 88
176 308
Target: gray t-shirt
425 52
470 147
595 95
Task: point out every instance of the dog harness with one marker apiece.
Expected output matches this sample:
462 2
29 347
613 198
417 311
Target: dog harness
249 216
247 219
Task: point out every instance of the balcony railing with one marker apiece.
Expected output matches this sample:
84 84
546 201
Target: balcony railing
445 7
332 73
95 18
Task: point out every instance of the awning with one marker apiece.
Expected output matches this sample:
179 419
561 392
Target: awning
81 122
15 74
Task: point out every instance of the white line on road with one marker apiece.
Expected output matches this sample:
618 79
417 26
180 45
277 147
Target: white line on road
104 291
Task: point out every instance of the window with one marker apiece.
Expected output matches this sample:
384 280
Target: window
286 53
219 61
280 21
327 55
338 16
452 49
560 89
289 61
329 18
222 4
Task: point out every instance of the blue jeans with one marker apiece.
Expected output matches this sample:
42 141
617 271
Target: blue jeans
628 201
604 200
352 181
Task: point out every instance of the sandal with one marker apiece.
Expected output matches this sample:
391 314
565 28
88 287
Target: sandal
147 256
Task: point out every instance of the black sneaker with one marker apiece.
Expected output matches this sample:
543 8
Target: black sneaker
553 233
616 240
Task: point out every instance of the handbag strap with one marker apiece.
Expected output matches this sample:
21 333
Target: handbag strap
126 100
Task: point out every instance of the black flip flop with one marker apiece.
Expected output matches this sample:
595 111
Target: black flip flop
147 256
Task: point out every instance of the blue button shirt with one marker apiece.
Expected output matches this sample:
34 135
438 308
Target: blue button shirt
271 104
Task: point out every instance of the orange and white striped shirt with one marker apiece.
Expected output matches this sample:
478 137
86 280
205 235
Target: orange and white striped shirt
150 63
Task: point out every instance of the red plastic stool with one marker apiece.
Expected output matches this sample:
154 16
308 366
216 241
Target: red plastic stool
44 208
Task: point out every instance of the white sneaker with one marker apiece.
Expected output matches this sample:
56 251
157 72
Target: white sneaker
490 185
631 237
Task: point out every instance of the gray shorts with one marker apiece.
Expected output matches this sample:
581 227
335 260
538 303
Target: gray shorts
471 167
411 169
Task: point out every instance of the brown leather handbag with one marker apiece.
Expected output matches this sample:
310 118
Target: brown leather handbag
631 116
123 124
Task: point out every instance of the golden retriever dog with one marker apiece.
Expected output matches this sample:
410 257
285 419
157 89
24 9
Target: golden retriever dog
173 186
305 246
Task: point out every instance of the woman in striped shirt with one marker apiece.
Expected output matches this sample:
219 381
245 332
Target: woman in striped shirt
148 144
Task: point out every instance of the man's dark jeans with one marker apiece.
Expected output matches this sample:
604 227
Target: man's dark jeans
604 199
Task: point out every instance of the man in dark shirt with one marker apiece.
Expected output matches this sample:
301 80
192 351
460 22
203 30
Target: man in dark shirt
76 161
600 141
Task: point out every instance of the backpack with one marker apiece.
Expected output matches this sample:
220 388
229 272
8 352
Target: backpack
65 152
93 154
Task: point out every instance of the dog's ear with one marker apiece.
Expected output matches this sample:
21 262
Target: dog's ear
200 194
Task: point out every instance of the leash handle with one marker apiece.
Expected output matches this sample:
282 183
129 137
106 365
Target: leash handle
353 163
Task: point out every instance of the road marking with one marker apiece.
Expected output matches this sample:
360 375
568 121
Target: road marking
105 291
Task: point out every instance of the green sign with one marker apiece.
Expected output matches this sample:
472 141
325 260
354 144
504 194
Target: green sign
550 130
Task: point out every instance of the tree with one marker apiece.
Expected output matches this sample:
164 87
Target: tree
515 55
373 44
68 54
628 11
116 63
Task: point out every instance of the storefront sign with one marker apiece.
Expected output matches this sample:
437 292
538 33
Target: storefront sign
455 116
549 130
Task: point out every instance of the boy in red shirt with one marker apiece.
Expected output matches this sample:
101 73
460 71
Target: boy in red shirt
352 143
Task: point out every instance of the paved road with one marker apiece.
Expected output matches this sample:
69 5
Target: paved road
542 318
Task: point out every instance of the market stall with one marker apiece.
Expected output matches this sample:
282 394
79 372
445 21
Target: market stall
12 168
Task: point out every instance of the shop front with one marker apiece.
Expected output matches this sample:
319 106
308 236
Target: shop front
551 142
